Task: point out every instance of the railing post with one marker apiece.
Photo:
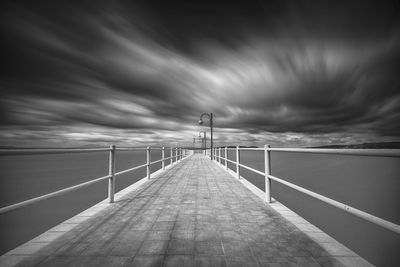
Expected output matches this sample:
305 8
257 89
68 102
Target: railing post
237 162
148 162
226 157
111 171
163 157
267 162
219 156
170 156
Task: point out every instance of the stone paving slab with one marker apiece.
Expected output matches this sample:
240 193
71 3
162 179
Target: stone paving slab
194 214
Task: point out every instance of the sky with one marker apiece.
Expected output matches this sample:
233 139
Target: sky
138 73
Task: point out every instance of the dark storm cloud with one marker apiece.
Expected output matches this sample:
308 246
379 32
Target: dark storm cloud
100 70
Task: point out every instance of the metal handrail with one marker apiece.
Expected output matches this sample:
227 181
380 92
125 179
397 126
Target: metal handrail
231 161
355 152
157 161
242 165
359 213
334 151
36 151
251 169
131 169
47 151
268 177
251 148
179 155
53 194
130 148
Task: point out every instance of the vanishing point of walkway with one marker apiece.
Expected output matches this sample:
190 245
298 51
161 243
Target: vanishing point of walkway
193 214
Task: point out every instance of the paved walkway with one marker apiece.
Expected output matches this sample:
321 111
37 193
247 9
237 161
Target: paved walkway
193 214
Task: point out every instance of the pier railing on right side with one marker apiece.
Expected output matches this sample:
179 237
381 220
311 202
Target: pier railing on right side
268 175
176 153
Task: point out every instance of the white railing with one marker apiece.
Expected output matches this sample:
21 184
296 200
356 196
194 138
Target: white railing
268 176
180 153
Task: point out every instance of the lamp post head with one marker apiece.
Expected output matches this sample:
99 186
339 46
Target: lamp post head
200 121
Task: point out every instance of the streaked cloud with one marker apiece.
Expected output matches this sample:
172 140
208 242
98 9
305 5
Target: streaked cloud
105 72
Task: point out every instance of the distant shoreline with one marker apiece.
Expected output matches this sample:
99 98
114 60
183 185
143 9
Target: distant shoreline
381 145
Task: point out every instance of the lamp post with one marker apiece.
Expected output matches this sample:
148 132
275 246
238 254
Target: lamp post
210 117
204 140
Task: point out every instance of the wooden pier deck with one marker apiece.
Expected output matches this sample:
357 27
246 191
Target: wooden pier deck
193 214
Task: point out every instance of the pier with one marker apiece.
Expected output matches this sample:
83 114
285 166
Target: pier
194 213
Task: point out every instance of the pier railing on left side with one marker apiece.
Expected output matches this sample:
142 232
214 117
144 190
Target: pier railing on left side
176 153
268 175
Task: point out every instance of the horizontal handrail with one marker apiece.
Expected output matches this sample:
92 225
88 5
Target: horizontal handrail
142 166
334 151
157 161
231 161
355 152
53 194
43 151
361 152
34 151
242 165
131 169
251 148
142 148
179 155
251 169
131 149
364 215
243 148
